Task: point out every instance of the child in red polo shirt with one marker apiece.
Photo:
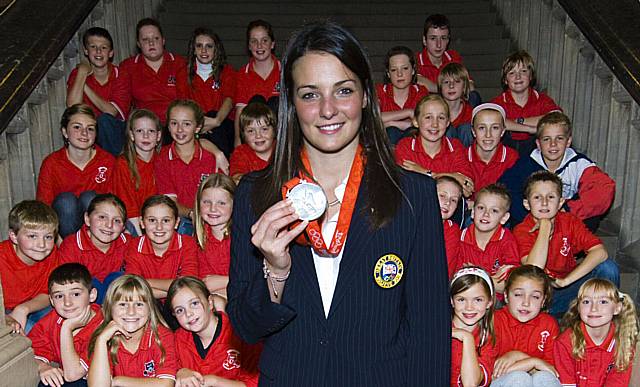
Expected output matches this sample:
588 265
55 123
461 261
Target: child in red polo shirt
182 165
261 76
486 242
210 82
523 104
551 239
26 260
71 176
258 123
134 178
161 254
63 335
209 352
524 335
449 194
100 244
454 86
472 335
430 152
92 84
133 345
399 93
213 224
148 80
598 342
487 156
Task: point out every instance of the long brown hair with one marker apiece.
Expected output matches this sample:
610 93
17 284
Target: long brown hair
129 152
216 180
219 55
381 174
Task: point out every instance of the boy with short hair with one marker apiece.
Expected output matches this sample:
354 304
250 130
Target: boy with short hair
63 335
523 104
26 259
588 191
488 156
551 239
486 242
257 130
92 83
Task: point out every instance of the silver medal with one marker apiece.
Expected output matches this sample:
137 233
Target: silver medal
308 199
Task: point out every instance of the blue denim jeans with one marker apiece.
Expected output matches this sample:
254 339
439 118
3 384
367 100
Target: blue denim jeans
524 379
111 134
33 318
186 226
102 287
562 297
70 209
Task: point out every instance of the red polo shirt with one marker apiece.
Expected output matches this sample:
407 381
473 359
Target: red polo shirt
538 104
21 282
146 361
104 91
570 236
124 186
535 337
58 174
208 94
501 250
483 173
45 337
140 86
597 369
465 115
215 258
249 83
176 178
388 104
227 357
79 248
486 359
431 71
451 244
244 160
451 157
179 260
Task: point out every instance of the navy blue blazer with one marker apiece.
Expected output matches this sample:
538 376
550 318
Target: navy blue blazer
373 336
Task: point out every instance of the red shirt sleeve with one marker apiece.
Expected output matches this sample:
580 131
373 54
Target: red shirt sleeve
509 248
132 262
239 161
486 360
583 238
45 192
452 245
169 367
554 331
189 252
403 150
121 92
164 184
524 238
563 359
124 186
548 104
41 340
182 84
228 79
596 191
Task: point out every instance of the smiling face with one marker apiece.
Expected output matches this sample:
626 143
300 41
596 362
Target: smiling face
544 200
98 50
597 309
260 44
132 315
488 129
329 100
525 298
518 78
436 42
216 205
452 88
470 306
489 211
151 43
183 125
400 71
105 224
80 132
71 299
432 121
159 225
33 244
145 135
259 135
553 143
205 49
193 312
449 195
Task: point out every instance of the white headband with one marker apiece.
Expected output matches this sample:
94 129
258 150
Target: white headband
488 106
474 271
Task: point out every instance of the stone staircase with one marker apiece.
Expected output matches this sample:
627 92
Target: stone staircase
380 25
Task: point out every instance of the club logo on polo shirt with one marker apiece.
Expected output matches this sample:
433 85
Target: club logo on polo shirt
544 335
566 247
171 80
215 85
388 271
232 361
149 369
101 177
276 88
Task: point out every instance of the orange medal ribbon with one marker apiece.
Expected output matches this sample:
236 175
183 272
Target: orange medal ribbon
313 234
